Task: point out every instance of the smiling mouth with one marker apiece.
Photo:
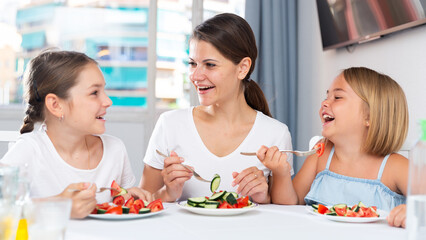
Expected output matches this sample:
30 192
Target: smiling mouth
205 88
327 118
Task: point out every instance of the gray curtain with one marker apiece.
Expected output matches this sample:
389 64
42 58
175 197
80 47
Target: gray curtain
274 25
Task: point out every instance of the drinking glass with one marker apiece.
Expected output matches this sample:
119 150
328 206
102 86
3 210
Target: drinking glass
48 218
9 210
416 200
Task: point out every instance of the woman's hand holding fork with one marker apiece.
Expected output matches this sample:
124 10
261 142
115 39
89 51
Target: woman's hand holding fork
174 176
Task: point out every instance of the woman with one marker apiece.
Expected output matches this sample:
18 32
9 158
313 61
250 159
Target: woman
233 116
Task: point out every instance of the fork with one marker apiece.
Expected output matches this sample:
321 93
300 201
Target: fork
99 190
196 175
295 152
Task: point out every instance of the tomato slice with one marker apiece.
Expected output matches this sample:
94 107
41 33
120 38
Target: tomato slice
242 202
138 204
129 202
321 146
115 210
322 209
104 206
351 213
133 209
225 205
119 200
116 188
155 205
340 211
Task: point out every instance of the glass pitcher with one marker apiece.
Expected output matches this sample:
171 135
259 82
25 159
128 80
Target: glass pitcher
416 200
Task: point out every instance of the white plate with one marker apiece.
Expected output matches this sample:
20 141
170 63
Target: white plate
124 216
382 214
217 211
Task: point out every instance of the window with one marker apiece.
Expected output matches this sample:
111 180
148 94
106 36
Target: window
113 32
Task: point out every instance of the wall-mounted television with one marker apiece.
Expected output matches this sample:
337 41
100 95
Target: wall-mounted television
348 22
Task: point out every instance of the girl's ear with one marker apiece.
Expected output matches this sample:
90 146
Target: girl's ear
244 67
367 121
53 105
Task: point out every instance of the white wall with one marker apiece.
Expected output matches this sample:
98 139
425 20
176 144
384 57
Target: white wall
402 56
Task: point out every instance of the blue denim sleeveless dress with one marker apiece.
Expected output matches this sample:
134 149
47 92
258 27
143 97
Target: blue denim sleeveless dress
329 188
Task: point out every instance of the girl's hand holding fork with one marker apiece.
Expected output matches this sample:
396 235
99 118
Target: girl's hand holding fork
83 201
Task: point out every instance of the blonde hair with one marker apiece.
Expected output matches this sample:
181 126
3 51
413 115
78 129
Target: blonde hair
386 109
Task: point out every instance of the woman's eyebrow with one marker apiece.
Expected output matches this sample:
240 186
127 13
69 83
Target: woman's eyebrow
209 59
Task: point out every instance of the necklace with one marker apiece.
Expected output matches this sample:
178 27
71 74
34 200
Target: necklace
88 154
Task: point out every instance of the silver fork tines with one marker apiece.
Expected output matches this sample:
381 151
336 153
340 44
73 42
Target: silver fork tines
196 175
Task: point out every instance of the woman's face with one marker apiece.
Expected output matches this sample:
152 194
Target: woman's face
86 107
216 79
343 112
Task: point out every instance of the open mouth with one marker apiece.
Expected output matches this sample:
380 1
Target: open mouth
100 117
204 88
327 118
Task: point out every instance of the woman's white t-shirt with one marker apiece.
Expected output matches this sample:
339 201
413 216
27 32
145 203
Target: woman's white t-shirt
49 174
176 131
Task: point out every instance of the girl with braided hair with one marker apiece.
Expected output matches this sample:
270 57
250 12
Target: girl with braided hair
65 92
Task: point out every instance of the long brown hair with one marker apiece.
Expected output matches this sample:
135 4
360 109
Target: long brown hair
232 36
54 72
386 107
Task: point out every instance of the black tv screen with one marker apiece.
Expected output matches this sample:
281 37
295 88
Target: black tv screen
347 22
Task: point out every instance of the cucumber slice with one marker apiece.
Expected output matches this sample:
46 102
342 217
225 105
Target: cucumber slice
211 204
125 210
358 207
341 205
225 196
231 199
217 195
197 200
201 205
315 206
235 194
191 204
122 192
331 214
101 211
214 184
144 210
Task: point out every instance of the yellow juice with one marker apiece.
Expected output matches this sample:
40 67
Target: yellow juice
5 227
22 232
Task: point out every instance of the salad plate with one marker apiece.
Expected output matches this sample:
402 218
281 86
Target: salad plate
124 216
383 214
217 211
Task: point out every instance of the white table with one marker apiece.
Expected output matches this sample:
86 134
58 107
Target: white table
266 222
